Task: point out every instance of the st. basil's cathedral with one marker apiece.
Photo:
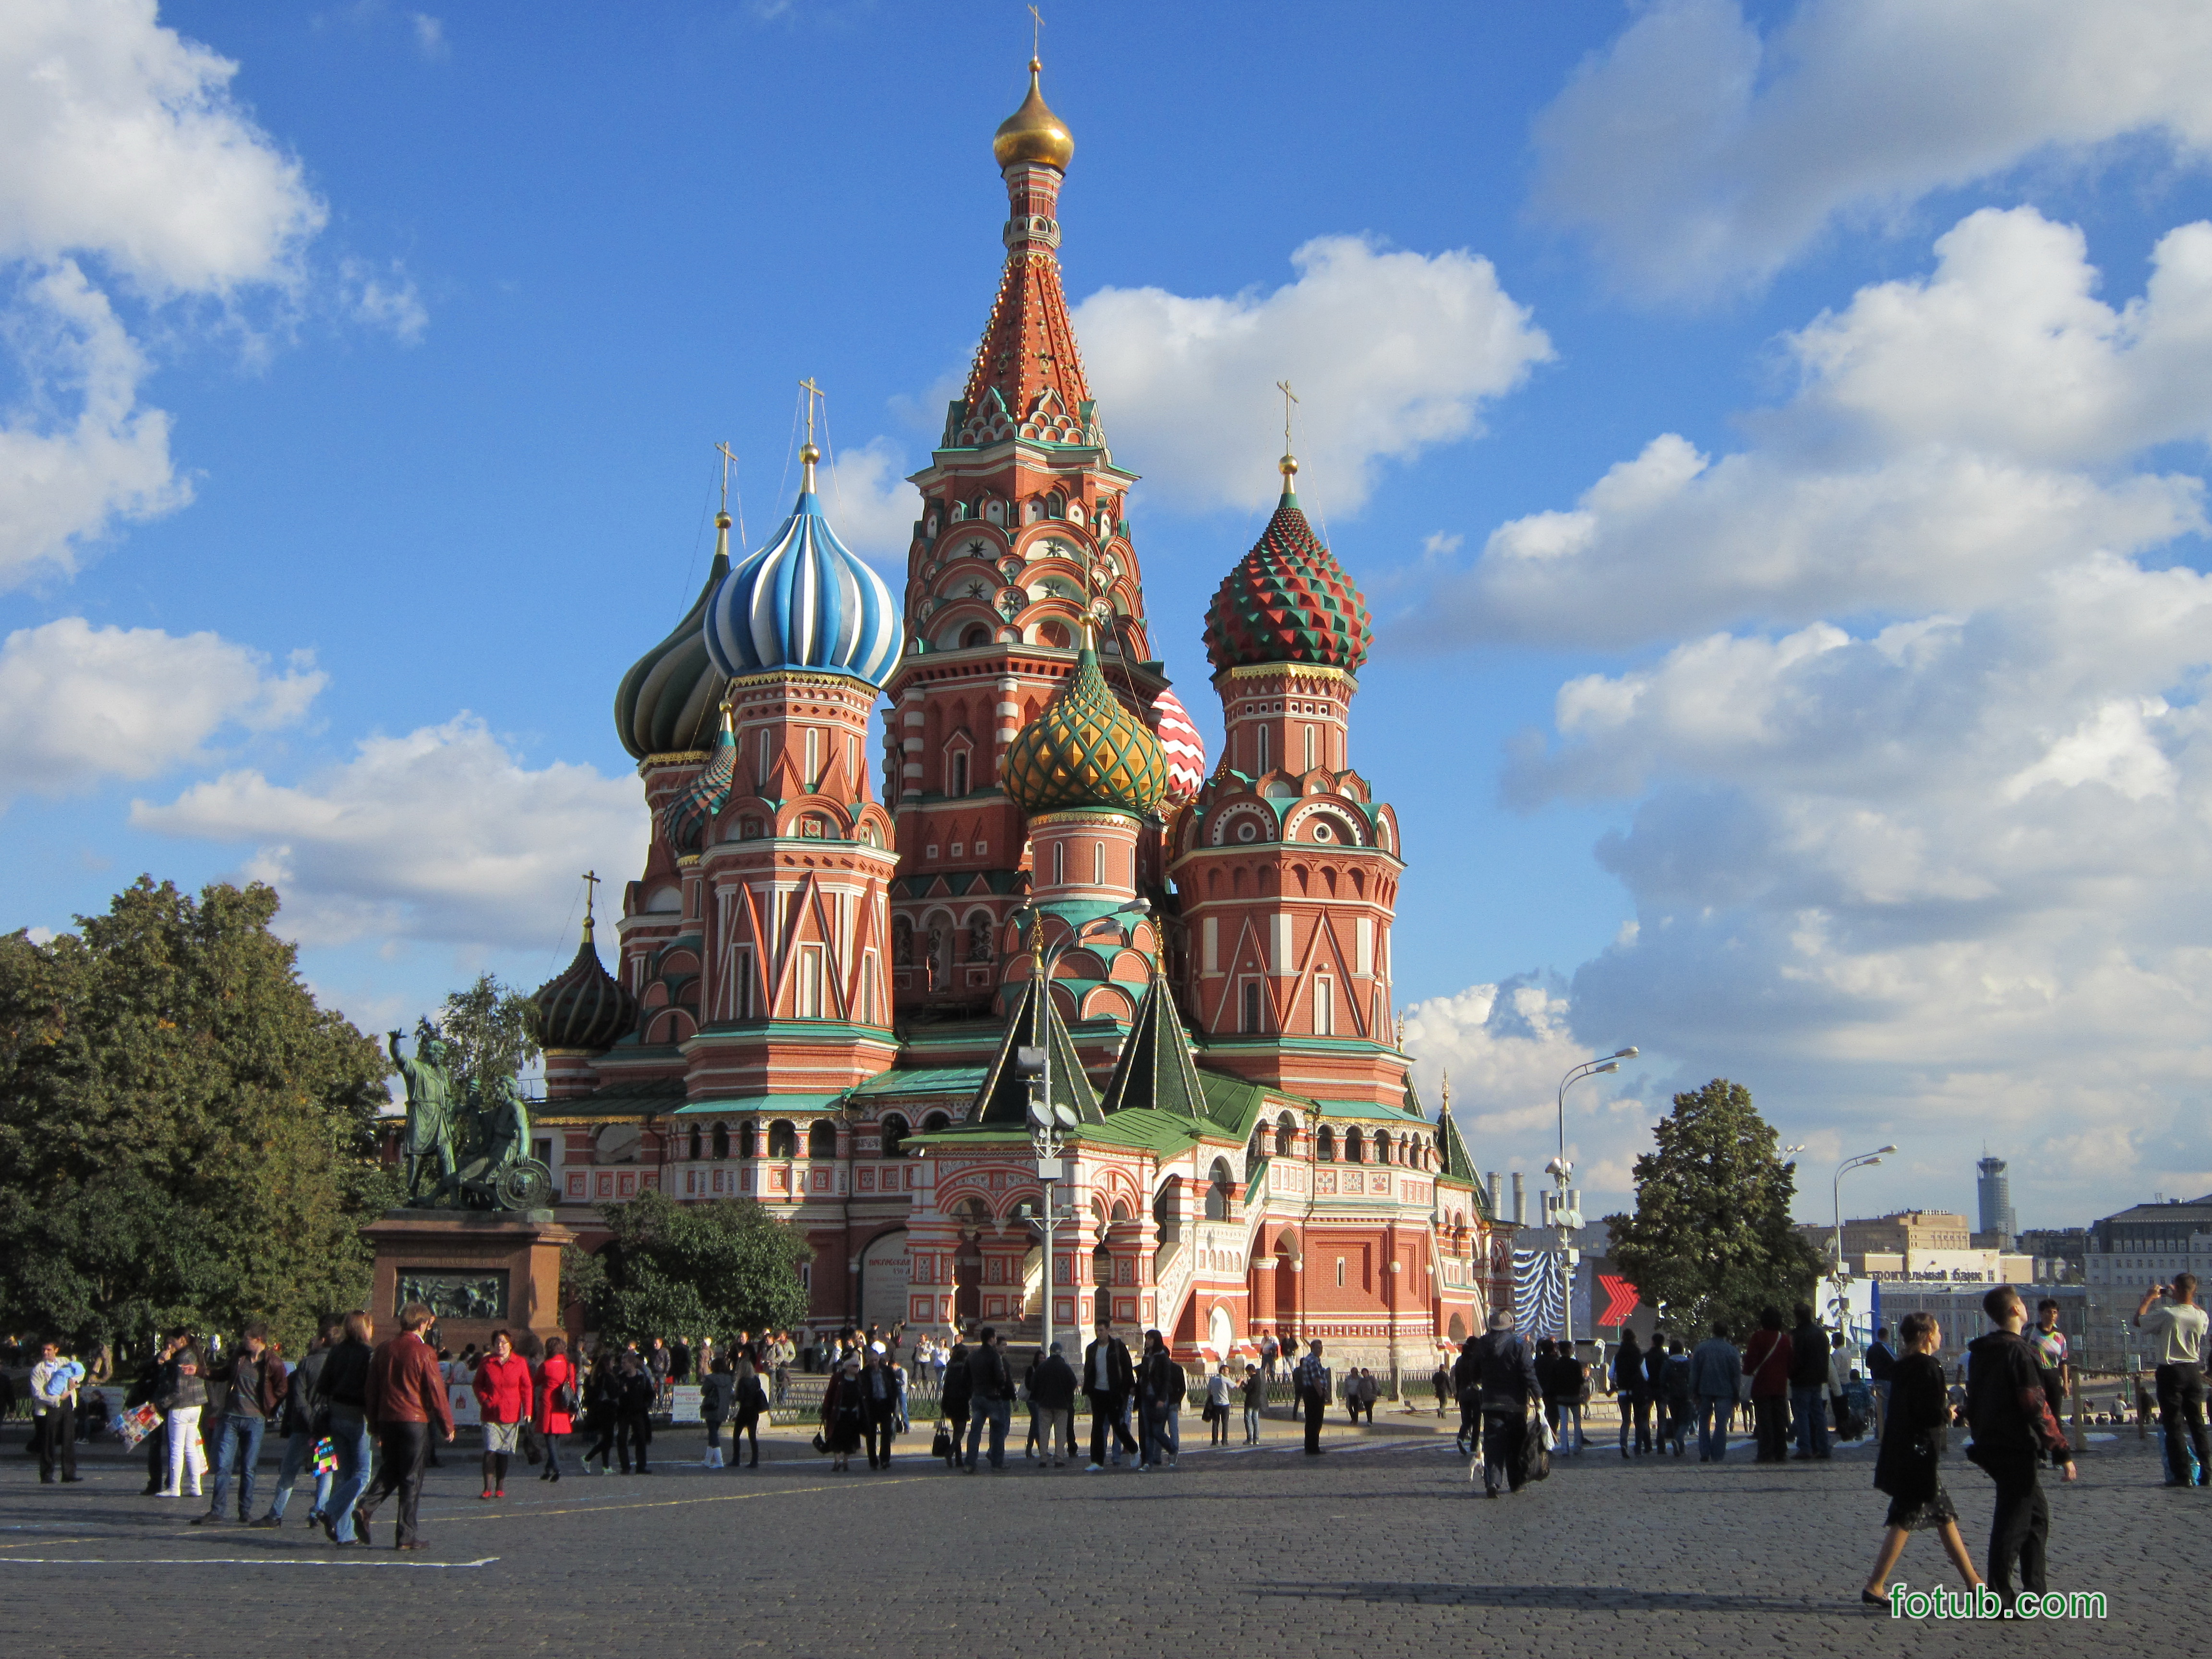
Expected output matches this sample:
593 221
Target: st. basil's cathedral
834 1004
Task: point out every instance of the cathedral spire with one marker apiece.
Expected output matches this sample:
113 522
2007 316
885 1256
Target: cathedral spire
1027 380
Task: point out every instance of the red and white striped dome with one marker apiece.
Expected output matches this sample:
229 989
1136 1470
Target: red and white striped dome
1181 743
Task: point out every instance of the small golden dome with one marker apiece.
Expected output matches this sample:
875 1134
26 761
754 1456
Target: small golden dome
1033 132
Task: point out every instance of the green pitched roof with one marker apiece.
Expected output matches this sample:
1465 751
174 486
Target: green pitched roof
1154 1069
1458 1166
1003 1101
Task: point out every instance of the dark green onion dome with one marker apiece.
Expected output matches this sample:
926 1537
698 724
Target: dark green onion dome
585 1008
665 704
1288 600
1086 749
683 820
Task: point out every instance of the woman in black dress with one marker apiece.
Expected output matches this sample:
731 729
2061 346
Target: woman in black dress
1910 1465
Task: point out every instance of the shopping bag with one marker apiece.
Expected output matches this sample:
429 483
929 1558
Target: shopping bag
326 1456
135 1425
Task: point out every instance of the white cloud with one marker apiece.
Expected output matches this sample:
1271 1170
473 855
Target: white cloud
1504 1048
1950 439
79 452
121 153
868 501
430 36
1390 354
442 835
385 299
120 137
1701 156
79 704
1919 780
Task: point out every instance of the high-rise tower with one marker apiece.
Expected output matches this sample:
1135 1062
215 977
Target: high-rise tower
1993 1189
1024 528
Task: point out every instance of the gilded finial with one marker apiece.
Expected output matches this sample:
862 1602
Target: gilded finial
1289 464
591 880
1033 132
808 454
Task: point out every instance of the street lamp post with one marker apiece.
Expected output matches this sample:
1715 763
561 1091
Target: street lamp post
1565 1220
1864 1161
1049 1123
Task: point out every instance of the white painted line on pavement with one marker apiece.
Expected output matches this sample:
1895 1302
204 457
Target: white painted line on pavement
232 1561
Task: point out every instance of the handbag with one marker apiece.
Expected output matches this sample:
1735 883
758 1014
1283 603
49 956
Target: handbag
819 1444
534 1449
940 1443
1745 1380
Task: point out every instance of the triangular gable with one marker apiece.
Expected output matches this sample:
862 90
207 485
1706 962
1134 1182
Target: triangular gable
1003 1099
1155 1068
1458 1166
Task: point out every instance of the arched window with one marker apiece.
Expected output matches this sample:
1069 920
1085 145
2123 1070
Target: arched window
721 1140
694 1148
1251 1007
1325 1144
1219 1187
782 1139
822 1139
1258 1149
975 636
894 1133
935 1122
1382 1147
1055 506
748 1139
1286 1135
1355 1148
955 772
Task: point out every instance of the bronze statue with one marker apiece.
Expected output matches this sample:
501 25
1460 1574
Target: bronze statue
479 1147
429 1138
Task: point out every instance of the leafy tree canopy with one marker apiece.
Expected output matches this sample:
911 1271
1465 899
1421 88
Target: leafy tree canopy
1711 1237
690 1269
184 1137
491 1028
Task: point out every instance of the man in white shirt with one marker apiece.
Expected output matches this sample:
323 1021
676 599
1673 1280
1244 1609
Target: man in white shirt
2176 1329
53 1402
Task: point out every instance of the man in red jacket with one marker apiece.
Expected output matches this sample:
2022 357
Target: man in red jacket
406 1394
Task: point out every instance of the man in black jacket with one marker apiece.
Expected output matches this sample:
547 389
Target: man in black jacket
343 1385
992 1400
1808 1386
2013 1427
1052 1392
1505 1382
1108 1379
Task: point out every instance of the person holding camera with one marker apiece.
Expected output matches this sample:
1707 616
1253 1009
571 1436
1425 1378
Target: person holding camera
2176 1325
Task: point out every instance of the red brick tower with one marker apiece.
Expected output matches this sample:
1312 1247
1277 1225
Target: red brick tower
1286 865
1022 514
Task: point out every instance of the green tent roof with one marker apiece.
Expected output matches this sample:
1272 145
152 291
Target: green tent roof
1003 1100
1154 1068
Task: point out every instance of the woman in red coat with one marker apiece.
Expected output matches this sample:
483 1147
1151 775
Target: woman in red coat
502 1388
555 1410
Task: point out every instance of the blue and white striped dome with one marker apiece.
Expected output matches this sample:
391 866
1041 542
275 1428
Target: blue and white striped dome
805 600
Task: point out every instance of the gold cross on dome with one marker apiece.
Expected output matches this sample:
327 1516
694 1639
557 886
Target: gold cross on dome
1037 32
591 880
1289 397
812 392
729 459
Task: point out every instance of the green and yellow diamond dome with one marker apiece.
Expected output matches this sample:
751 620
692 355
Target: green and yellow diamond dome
1086 749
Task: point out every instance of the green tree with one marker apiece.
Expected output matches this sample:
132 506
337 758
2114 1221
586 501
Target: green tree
686 1269
491 1028
1711 1237
184 1137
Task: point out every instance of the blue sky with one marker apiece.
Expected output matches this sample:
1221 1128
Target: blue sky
1771 437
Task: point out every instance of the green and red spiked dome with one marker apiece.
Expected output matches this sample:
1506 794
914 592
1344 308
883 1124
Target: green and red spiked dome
1288 599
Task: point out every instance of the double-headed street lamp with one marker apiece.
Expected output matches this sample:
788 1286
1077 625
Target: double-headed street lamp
1049 1123
1563 1219
1864 1161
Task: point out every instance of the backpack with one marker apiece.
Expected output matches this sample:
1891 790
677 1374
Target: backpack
1178 1384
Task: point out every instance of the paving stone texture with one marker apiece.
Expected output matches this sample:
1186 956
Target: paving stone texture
1380 1548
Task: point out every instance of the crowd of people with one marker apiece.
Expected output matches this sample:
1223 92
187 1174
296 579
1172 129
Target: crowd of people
364 1419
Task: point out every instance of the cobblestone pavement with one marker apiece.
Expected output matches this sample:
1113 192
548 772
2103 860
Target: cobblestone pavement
1380 1548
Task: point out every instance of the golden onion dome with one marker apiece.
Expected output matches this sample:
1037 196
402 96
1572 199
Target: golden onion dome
1086 749
1033 132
